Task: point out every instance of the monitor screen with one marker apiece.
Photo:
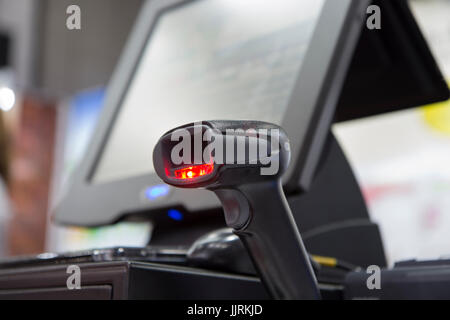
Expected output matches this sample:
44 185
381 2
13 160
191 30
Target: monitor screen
207 60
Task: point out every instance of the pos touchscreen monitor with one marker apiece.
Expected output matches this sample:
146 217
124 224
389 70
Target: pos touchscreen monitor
281 61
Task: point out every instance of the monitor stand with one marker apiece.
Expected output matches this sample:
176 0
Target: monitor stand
332 216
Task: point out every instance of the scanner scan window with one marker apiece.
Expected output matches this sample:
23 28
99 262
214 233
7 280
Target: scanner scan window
216 59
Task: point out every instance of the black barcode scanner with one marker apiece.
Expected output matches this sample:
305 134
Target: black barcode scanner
242 163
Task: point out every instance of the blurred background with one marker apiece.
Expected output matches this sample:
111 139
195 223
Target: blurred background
52 85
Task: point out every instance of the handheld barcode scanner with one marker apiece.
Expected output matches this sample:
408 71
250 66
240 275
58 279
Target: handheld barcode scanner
242 163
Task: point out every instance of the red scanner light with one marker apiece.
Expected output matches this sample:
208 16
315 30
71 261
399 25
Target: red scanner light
194 171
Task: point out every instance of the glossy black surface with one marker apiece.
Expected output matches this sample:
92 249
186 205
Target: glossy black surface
221 250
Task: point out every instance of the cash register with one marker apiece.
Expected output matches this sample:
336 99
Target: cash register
301 65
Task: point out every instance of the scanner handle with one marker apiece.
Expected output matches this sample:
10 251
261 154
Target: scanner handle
260 215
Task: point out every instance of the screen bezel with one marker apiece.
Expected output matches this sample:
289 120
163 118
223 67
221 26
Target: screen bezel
316 89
